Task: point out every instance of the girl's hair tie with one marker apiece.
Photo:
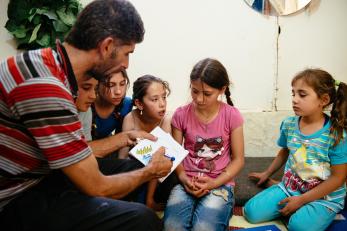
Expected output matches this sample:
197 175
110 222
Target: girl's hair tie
337 83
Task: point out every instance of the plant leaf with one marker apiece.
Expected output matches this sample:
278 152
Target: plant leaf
44 41
37 19
20 32
32 14
51 15
36 23
34 34
18 10
66 17
59 26
10 25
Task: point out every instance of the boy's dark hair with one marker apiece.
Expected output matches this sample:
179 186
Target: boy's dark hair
214 74
106 18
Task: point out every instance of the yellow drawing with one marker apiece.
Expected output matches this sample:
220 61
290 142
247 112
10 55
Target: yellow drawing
306 170
144 150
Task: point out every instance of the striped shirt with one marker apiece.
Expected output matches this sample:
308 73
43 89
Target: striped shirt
310 160
39 125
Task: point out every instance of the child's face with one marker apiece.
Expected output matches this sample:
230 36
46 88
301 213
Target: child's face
154 102
204 95
86 94
305 100
114 91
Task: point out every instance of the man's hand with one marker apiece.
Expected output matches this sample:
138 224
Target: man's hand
159 165
134 136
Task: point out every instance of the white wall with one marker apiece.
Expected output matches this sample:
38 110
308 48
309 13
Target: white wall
315 38
181 32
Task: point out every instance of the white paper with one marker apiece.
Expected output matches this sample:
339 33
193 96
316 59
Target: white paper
144 150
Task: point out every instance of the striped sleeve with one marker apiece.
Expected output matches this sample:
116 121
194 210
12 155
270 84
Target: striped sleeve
47 110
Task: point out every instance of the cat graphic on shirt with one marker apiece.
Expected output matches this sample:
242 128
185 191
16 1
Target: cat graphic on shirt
206 151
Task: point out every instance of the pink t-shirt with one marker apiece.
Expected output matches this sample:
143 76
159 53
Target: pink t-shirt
208 144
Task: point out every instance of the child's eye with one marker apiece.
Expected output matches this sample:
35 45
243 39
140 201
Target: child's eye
109 85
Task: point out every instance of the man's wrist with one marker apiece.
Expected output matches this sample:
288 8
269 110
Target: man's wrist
123 139
149 172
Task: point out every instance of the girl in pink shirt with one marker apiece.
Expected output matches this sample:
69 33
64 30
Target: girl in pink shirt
212 132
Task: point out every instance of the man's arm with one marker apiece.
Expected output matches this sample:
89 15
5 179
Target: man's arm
87 177
128 125
105 146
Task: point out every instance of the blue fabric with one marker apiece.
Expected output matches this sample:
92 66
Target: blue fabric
211 212
258 5
264 207
104 127
339 225
261 228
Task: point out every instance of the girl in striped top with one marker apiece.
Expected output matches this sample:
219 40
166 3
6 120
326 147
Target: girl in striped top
313 149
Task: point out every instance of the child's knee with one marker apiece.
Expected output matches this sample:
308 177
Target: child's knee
250 213
297 224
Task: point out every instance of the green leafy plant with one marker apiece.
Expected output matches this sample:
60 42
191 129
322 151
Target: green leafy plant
37 23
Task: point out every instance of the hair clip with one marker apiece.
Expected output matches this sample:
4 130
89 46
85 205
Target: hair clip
337 83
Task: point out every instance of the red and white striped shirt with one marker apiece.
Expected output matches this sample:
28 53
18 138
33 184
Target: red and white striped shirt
39 126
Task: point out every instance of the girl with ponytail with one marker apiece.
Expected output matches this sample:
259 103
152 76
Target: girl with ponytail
314 151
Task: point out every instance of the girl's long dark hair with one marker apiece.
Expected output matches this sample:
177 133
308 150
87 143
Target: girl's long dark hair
214 74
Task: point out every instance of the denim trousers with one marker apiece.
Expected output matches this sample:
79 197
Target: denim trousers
55 204
210 212
264 207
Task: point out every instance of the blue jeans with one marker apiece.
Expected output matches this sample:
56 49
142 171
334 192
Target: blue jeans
210 212
264 207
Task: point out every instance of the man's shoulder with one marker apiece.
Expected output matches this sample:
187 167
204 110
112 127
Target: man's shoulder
28 65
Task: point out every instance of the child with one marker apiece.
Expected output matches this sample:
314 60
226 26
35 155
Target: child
149 97
111 105
213 134
313 146
86 97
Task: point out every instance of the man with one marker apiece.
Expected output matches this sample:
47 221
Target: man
41 133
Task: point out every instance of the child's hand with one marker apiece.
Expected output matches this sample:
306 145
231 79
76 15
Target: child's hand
187 183
292 204
261 177
202 185
205 183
